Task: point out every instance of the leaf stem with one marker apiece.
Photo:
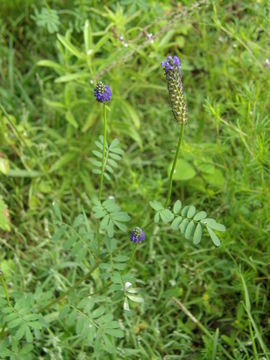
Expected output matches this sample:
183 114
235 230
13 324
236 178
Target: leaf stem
174 163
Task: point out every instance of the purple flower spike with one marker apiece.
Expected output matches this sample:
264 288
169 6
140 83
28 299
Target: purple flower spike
137 235
172 68
102 92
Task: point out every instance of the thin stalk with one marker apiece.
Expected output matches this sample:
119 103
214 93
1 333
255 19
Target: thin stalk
174 163
3 281
102 172
104 152
131 258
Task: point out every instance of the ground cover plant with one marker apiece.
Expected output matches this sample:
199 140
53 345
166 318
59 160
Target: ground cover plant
115 160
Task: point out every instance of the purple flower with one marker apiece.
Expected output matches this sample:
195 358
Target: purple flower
102 92
137 235
172 68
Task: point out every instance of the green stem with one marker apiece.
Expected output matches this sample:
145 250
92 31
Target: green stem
5 287
174 164
102 172
128 265
104 152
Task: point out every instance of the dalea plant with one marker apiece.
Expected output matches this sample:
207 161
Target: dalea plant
185 219
92 309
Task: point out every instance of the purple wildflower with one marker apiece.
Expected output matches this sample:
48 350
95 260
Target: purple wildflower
102 92
137 235
172 68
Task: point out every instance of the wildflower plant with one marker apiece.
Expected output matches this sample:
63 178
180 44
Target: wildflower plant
185 219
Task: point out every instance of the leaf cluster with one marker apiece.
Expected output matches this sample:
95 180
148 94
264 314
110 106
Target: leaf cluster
111 216
113 154
189 221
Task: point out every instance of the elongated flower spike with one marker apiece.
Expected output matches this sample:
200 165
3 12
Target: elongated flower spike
137 235
102 92
172 68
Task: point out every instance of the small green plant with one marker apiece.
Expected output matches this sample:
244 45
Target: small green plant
47 18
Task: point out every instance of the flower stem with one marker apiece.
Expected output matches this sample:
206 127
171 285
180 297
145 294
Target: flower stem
174 163
104 152
102 171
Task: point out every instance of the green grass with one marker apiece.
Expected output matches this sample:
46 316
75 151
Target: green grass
200 302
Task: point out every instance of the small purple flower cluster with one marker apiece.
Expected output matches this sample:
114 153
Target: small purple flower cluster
102 92
172 68
137 235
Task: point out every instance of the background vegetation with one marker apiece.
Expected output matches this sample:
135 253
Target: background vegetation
51 54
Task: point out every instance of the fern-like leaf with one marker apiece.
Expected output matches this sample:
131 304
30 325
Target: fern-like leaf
188 221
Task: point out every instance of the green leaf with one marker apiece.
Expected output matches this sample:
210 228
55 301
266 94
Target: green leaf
98 312
184 225
20 333
63 161
4 219
70 118
72 77
176 222
4 166
56 210
70 47
157 217
166 216
216 179
60 69
200 215
115 332
110 229
213 224
114 144
189 230
24 173
105 221
191 211
185 211
177 206
88 41
213 236
97 154
183 171
156 205
197 234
